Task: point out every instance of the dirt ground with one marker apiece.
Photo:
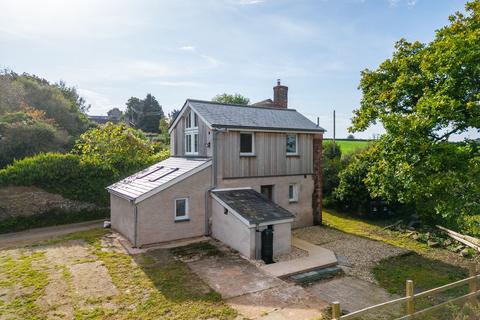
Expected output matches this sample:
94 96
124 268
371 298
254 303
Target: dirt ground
89 275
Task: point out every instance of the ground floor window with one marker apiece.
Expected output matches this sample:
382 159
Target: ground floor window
181 209
293 192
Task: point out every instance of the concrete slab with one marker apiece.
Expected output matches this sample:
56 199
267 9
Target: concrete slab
318 257
232 276
286 301
352 293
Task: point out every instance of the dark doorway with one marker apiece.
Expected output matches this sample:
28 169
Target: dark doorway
267 191
267 245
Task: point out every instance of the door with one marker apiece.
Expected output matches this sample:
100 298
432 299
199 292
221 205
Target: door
267 191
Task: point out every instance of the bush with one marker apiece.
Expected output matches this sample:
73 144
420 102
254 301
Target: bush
64 174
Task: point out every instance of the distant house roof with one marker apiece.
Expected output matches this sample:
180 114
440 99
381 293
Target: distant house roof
252 206
103 119
157 177
249 117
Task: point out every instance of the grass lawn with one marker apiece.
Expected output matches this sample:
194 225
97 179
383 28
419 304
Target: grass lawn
349 146
87 275
427 267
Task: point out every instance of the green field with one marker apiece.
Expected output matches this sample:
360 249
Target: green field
349 146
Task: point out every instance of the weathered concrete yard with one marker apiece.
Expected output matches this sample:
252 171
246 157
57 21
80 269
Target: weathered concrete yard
88 275
248 289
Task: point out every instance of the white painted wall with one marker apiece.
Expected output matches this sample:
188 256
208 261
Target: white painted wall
230 230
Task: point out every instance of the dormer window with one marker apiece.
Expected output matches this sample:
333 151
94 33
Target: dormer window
191 134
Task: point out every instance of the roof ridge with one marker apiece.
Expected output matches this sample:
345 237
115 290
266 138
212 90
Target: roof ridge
239 105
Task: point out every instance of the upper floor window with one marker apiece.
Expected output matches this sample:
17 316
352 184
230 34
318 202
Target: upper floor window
191 143
292 144
247 144
191 121
191 133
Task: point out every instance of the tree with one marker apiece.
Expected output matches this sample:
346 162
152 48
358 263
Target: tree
144 114
60 103
172 115
27 133
423 95
231 99
350 137
116 145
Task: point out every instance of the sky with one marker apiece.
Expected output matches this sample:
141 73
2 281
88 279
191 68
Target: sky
111 50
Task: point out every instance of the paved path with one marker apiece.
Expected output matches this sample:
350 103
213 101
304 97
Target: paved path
318 257
254 293
352 293
39 234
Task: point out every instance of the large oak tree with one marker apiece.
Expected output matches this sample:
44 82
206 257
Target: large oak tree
424 96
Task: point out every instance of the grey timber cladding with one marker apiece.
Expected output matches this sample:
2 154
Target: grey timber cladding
252 205
270 157
235 116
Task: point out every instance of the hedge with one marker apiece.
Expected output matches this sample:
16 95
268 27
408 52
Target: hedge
65 174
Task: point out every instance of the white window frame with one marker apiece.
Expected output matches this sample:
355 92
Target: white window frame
191 120
295 192
296 144
181 218
253 144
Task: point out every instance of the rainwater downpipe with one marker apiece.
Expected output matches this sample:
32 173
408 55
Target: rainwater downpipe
215 131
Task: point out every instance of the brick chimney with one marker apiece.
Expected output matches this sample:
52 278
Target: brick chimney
317 204
280 96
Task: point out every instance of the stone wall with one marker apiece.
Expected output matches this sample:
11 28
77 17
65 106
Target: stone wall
27 201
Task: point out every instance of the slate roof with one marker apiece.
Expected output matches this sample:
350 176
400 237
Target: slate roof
252 205
252 117
157 177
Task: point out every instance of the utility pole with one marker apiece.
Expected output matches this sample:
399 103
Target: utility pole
334 128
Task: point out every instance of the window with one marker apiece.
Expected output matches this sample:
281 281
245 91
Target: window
292 144
191 134
188 143
292 192
191 120
191 143
181 209
188 120
247 144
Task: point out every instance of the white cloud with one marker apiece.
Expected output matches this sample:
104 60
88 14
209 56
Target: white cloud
248 2
409 3
168 83
100 103
187 48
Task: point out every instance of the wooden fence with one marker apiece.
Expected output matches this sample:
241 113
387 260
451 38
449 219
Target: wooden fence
410 296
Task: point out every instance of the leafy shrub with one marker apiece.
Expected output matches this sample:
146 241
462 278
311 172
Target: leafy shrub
64 174
115 145
103 156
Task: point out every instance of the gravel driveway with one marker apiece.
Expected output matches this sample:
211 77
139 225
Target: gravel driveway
356 255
